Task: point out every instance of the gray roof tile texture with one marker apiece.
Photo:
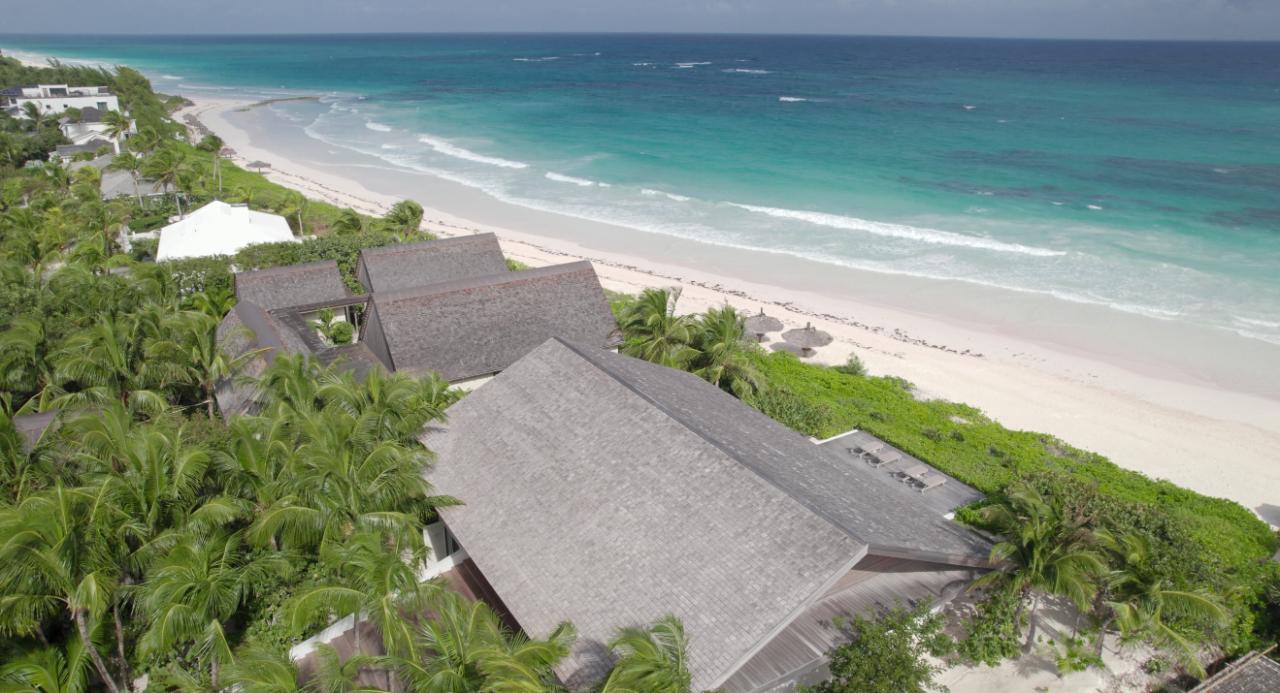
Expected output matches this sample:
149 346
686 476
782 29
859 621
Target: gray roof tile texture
292 285
478 326
608 491
410 265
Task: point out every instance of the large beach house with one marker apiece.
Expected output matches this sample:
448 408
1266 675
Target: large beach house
608 491
447 306
56 98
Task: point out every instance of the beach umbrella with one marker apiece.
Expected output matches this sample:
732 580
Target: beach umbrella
761 324
259 165
791 349
807 338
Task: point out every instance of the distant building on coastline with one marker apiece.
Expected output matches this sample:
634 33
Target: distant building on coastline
446 306
52 99
219 228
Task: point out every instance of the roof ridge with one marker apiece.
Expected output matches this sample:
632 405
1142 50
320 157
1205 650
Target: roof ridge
484 280
719 445
430 242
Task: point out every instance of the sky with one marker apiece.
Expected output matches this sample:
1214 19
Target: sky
1103 19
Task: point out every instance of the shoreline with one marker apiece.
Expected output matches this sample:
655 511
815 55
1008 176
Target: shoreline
1152 421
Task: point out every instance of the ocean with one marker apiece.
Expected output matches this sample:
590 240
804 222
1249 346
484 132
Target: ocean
1140 176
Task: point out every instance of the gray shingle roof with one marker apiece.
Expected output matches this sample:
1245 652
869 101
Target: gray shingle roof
248 327
292 285
608 491
409 265
478 326
1252 673
32 426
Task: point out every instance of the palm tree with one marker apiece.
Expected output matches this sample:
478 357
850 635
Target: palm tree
464 647
126 161
724 356
24 356
55 559
117 126
190 595
346 480
373 582
294 204
348 221
394 406
404 216
651 660
215 301
259 670
167 166
190 353
33 115
654 332
50 670
108 362
1146 606
146 140
1041 550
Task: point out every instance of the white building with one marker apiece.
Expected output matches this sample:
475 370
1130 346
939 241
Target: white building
91 127
56 98
221 229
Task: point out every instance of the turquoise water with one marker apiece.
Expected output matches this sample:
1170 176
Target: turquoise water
1141 176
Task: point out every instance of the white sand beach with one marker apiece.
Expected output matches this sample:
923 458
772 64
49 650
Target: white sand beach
1131 391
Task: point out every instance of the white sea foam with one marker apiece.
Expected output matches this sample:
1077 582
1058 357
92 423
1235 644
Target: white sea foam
561 178
1095 208
545 59
449 149
791 99
173 78
643 64
392 146
1255 322
968 107
691 64
671 196
903 231
377 127
746 71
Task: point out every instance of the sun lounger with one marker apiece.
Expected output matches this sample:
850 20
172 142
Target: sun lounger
916 473
932 481
884 458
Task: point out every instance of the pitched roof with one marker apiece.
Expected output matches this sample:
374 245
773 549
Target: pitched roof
480 325
221 229
654 492
292 285
1252 673
410 265
248 327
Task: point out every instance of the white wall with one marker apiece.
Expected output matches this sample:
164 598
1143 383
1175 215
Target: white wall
57 104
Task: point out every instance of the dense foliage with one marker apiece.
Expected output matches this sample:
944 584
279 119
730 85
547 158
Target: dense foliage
890 653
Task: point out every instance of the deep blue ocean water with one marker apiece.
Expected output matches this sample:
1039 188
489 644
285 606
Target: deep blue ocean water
1142 176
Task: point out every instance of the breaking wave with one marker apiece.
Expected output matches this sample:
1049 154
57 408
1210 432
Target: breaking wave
453 150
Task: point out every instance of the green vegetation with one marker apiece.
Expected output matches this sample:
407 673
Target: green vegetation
1145 559
888 654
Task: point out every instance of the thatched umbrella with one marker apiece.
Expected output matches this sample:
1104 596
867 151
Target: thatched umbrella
761 324
259 165
807 338
789 348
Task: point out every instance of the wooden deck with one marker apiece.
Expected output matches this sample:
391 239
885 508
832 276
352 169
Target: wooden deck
944 499
798 653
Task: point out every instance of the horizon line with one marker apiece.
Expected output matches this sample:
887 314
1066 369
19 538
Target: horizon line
476 32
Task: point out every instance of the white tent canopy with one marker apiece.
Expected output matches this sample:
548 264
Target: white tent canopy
221 229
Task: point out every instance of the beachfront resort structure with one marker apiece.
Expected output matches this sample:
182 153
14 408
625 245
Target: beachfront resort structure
446 306
219 228
53 99
656 492
91 129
